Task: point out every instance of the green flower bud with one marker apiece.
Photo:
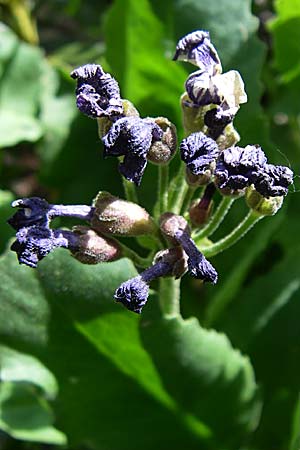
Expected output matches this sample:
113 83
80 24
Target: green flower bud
92 248
161 152
264 206
193 118
228 138
115 216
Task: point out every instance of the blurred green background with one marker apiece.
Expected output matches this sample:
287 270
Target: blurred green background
78 371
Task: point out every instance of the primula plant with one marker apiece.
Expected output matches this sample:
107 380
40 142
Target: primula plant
184 217
144 303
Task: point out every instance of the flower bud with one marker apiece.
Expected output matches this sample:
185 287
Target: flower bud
264 206
162 151
199 213
115 216
170 223
92 248
193 118
199 180
228 138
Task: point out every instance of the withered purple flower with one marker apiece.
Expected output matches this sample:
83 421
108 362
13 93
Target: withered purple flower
35 242
34 238
199 152
97 92
226 90
239 167
273 181
133 294
132 138
201 90
196 48
198 266
216 120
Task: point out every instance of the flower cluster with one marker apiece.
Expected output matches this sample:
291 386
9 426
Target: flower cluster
178 227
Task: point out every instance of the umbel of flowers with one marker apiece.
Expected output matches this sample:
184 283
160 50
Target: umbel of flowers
180 227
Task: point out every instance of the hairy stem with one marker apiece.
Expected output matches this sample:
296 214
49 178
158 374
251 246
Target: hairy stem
161 205
169 296
216 220
249 221
130 191
135 258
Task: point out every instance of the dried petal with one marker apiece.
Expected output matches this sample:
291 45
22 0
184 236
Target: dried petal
274 181
239 167
132 137
97 92
197 49
199 152
133 294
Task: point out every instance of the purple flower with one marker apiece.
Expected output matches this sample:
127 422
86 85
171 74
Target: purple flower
35 242
197 49
239 167
216 120
198 266
201 90
133 294
97 92
132 138
273 181
226 90
199 152
34 238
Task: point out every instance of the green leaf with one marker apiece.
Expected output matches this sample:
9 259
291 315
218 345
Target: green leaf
19 367
207 377
256 312
56 115
20 69
285 29
64 314
25 415
135 53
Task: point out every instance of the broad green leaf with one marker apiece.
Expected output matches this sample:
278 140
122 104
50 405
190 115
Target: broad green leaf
20 69
135 52
56 115
207 377
25 415
285 29
233 284
261 303
19 367
93 348
295 432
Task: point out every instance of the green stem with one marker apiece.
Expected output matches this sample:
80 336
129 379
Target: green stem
188 199
216 220
249 221
130 191
169 296
24 21
161 205
135 258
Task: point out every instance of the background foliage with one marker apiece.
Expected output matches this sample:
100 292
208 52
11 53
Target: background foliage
77 370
